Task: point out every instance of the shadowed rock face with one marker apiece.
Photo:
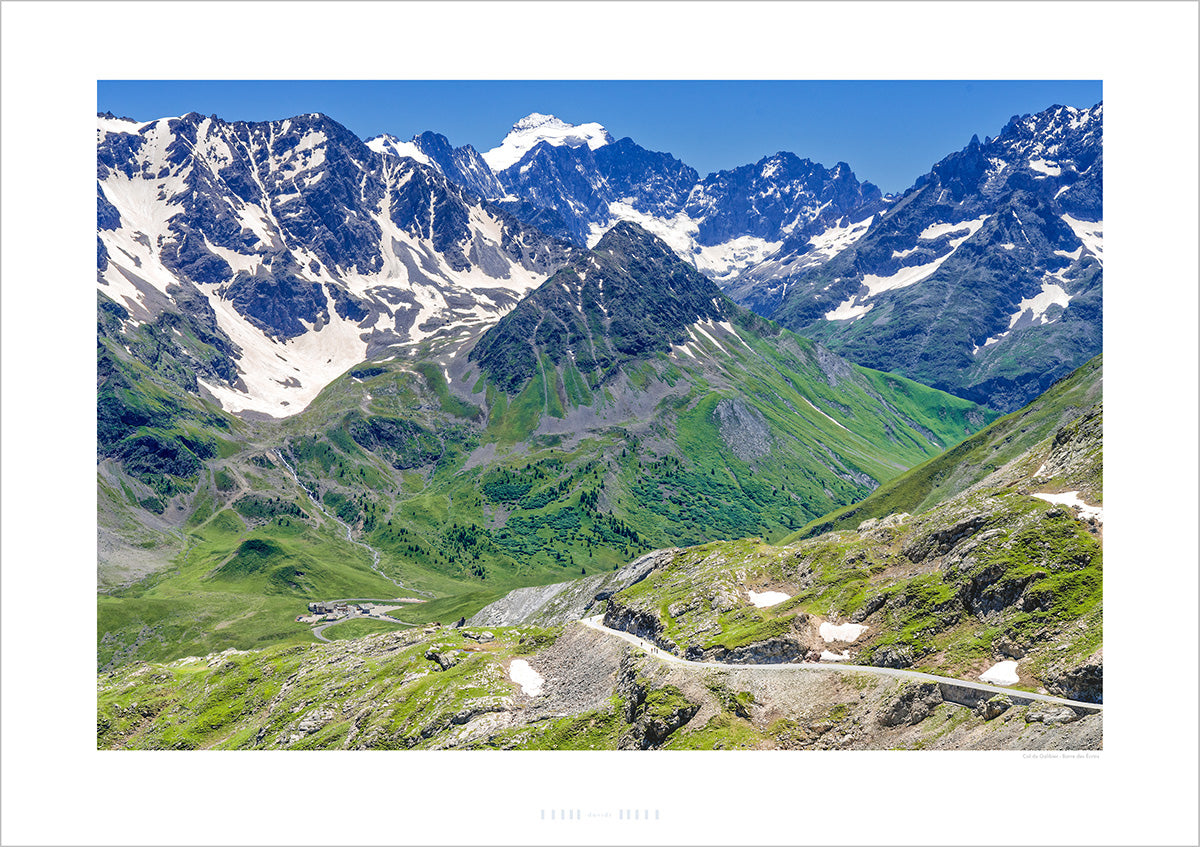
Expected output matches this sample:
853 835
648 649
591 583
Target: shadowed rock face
1084 682
628 299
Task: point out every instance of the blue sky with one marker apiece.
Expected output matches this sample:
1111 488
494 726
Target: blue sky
890 132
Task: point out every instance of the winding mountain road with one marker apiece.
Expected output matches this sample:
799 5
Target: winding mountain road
657 652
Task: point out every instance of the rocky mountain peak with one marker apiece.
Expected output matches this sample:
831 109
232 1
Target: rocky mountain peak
983 279
628 298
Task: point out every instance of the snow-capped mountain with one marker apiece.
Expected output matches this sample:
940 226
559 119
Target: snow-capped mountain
722 224
302 250
984 279
305 250
575 182
463 165
536 129
593 189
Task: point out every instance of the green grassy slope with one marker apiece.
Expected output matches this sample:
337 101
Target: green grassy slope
945 475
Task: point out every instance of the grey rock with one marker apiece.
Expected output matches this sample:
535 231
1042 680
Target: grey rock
444 660
550 605
913 705
1084 682
993 707
744 429
894 656
723 602
1052 715
1005 646
774 651
679 608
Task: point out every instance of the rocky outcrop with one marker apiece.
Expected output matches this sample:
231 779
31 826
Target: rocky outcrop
551 605
942 540
893 656
643 624
1083 682
743 429
774 651
993 707
444 659
911 706
1051 715
1076 454
653 713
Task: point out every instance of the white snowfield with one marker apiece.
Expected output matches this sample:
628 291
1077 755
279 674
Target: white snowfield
1001 673
1051 294
535 128
679 232
709 337
826 245
828 656
847 632
1044 167
848 309
764 599
523 674
1091 233
1071 498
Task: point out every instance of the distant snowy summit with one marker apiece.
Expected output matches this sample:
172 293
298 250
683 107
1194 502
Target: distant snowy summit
534 128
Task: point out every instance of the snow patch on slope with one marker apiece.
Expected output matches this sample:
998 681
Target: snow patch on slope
848 309
855 307
818 411
1001 673
679 232
1051 294
523 674
283 377
389 145
847 632
1047 168
1090 233
766 599
1071 498
834 240
719 261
